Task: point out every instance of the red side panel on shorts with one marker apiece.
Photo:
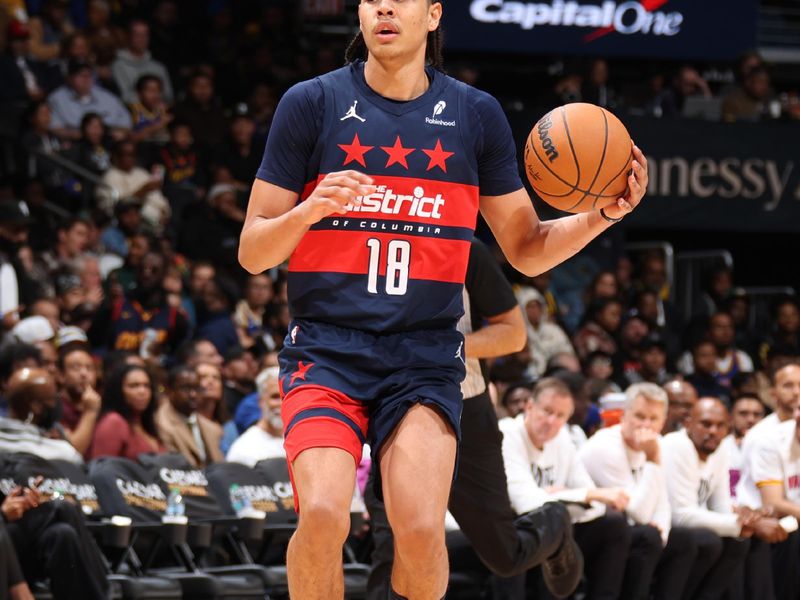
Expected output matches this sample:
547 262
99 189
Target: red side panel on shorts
319 417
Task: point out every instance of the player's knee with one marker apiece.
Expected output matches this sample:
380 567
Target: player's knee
327 520
420 537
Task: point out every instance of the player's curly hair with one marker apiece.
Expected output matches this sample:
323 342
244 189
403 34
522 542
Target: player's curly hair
433 52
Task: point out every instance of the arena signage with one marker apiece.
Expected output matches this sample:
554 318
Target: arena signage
630 28
713 176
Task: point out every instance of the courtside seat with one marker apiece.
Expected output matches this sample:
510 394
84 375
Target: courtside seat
127 488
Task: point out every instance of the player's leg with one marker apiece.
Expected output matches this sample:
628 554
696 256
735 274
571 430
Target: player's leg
416 465
324 479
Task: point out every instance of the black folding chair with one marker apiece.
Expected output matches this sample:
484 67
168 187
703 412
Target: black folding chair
66 481
129 489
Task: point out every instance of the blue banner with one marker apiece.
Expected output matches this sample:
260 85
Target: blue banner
674 29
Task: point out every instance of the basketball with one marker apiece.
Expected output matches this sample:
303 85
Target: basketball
578 157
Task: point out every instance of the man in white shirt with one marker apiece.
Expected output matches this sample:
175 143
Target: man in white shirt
264 439
628 456
771 482
746 412
785 394
542 465
696 471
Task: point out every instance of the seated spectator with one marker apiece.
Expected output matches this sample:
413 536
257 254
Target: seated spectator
127 426
238 158
545 339
123 280
149 112
595 88
125 179
682 398
32 416
184 165
181 428
687 83
209 398
542 465
250 312
142 317
72 241
264 439
744 384
699 492
600 324
212 232
123 232
38 143
25 79
261 105
197 351
214 321
632 332
92 149
135 61
50 538
704 375
515 398
628 456
786 394
778 356
80 402
751 101
70 102
598 365
785 330
771 481
603 285
49 29
652 362
746 412
203 111
239 375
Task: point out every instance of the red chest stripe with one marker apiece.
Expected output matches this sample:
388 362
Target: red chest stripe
432 259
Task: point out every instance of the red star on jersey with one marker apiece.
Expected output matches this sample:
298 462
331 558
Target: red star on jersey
397 154
438 156
302 370
355 151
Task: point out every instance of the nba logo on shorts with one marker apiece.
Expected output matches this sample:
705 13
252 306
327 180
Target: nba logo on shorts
293 334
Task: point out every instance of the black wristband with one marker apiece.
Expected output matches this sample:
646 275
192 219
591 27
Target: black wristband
607 218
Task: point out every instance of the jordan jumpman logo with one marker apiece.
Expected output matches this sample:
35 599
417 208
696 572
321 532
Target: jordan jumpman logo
351 114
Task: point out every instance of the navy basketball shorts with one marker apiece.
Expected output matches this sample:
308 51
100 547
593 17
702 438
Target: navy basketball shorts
343 387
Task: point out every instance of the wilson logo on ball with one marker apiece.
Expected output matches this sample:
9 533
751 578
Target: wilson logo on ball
544 136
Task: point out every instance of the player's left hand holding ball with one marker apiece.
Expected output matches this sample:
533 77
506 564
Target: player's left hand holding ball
637 186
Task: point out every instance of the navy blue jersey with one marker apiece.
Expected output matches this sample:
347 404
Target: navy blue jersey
397 262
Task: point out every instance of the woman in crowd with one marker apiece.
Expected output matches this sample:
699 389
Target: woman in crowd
599 329
127 427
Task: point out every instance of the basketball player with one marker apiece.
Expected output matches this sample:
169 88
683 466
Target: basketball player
379 244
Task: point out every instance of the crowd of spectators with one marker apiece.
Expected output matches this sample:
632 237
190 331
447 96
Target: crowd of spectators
125 310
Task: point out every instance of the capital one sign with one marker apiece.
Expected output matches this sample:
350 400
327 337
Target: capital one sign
631 28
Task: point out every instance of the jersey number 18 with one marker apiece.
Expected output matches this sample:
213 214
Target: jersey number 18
398 256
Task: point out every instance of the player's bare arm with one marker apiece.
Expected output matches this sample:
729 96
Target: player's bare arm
503 334
533 246
275 222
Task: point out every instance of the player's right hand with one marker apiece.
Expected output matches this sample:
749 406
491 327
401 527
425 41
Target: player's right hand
334 192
